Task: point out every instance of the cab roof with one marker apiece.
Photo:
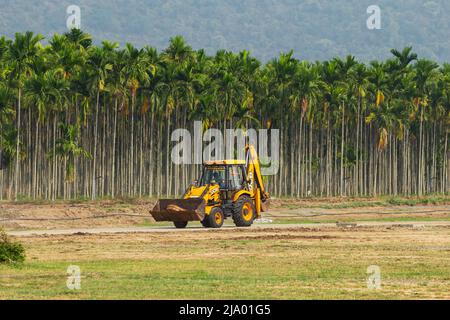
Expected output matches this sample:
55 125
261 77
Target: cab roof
224 162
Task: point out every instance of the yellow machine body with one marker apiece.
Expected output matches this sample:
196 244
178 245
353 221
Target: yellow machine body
227 188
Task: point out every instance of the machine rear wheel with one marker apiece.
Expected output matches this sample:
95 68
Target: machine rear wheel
214 219
180 224
244 212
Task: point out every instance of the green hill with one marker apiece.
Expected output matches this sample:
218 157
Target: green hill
315 29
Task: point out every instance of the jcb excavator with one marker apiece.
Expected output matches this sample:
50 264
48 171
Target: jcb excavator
226 188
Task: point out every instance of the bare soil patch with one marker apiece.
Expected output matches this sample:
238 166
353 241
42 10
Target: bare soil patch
123 213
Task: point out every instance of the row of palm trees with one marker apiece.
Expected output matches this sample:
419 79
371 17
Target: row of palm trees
80 120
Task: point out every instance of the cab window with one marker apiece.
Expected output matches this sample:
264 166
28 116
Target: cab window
236 178
213 175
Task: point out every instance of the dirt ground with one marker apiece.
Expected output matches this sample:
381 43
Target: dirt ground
126 213
74 215
115 243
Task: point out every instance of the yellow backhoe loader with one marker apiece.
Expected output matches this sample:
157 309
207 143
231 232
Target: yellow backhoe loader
226 188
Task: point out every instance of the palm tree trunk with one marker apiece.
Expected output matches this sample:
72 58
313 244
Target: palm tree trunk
113 166
17 170
342 192
55 167
94 178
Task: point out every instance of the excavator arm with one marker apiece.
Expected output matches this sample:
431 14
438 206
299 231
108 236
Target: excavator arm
254 175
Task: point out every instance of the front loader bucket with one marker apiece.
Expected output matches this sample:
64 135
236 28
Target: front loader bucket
179 210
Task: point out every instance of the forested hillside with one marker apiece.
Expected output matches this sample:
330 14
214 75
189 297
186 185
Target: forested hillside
80 120
314 29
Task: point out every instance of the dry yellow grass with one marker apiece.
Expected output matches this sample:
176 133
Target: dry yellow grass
278 263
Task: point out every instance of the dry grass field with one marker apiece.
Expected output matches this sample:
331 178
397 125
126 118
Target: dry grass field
300 255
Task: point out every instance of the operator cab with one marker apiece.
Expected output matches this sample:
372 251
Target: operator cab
228 177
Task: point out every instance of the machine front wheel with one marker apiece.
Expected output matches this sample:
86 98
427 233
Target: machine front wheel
205 222
180 224
214 219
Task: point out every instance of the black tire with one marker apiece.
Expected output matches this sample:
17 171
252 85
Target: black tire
214 219
180 224
244 212
205 222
